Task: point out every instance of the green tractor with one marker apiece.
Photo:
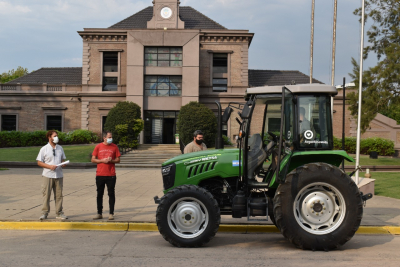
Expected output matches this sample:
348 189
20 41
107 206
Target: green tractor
287 173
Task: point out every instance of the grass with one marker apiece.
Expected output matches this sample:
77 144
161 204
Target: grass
3 169
386 184
365 161
28 154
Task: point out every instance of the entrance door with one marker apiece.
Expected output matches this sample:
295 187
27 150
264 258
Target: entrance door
156 132
160 127
168 131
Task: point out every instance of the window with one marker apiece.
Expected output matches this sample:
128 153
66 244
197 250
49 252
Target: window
220 63
163 56
54 122
110 83
163 86
8 122
220 85
274 124
110 61
314 126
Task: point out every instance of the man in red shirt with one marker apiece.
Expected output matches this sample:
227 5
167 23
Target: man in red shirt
105 154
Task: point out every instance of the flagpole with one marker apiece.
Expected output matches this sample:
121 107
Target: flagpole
360 96
312 40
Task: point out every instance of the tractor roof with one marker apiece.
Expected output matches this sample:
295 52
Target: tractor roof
295 89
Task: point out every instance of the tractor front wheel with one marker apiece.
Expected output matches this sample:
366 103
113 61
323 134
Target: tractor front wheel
188 216
318 207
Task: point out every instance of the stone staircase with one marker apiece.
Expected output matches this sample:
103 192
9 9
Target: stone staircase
149 156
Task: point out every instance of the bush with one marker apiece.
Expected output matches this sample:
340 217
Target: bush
384 147
38 138
195 116
125 123
226 140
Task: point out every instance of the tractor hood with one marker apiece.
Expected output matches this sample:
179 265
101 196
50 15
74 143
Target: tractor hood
199 156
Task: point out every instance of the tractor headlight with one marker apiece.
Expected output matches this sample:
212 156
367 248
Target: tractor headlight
166 170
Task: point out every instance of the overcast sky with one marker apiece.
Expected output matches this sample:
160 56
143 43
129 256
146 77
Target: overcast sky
43 33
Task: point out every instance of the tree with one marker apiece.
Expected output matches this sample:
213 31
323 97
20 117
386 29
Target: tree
13 74
125 123
195 116
381 87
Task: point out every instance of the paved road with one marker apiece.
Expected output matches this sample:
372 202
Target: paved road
20 197
92 248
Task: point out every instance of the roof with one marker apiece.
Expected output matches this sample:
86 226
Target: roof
193 20
277 77
297 88
71 76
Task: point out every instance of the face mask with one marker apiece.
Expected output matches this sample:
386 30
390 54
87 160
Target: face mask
109 140
199 142
55 139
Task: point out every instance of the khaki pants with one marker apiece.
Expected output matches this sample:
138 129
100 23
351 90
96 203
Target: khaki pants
49 184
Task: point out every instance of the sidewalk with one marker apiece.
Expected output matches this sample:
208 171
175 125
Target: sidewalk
21 198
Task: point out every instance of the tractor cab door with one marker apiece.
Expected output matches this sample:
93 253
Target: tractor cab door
285 146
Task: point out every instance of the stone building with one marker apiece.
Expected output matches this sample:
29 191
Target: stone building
161 58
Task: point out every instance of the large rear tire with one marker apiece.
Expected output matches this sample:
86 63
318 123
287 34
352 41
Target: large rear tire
188 216
318 207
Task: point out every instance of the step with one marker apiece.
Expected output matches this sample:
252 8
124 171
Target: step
148 156
144 161
136 165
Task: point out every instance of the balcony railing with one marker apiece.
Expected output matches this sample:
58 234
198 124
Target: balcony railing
6 87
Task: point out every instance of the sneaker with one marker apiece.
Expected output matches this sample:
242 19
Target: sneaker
111 217
61 216
98 216
43 217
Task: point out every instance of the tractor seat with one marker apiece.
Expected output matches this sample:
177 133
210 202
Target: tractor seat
256 155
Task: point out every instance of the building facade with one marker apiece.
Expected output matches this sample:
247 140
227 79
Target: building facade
160 58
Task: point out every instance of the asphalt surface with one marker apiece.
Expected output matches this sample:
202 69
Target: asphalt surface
90 248
21 199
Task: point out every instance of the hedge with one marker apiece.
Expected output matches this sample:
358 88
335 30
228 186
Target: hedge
196 116
124 121
38 138
384 147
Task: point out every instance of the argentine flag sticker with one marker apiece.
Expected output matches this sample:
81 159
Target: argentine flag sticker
235 163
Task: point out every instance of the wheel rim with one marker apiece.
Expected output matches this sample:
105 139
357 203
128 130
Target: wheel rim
319 208
188 217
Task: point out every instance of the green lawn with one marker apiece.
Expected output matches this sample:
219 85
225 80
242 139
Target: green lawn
3 169
28 154
365 160
386 184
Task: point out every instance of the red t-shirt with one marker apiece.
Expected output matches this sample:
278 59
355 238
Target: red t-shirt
102 151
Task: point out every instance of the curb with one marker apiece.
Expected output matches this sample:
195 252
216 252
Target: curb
152 227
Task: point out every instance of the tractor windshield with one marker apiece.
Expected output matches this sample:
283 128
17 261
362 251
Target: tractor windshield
314 124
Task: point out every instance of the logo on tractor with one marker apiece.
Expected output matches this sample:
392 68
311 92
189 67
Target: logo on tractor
308 134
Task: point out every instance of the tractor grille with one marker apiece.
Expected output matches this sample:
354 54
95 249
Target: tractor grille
201 168
168 174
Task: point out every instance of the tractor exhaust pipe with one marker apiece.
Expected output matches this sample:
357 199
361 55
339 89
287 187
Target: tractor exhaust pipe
219 143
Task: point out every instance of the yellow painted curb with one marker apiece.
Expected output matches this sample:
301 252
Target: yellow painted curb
262 229
143 227
152 227
99 226
376 230
394 230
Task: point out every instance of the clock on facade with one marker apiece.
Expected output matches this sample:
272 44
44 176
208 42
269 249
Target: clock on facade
166 12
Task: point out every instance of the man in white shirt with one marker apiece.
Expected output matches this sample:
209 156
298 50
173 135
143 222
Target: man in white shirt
49 156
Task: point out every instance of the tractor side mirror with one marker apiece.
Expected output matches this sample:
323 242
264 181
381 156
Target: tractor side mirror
245 112
227 114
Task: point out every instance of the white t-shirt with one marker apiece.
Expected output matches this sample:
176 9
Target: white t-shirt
46 156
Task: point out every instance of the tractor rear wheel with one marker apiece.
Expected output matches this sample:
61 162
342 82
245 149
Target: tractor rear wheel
318 207
188 216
